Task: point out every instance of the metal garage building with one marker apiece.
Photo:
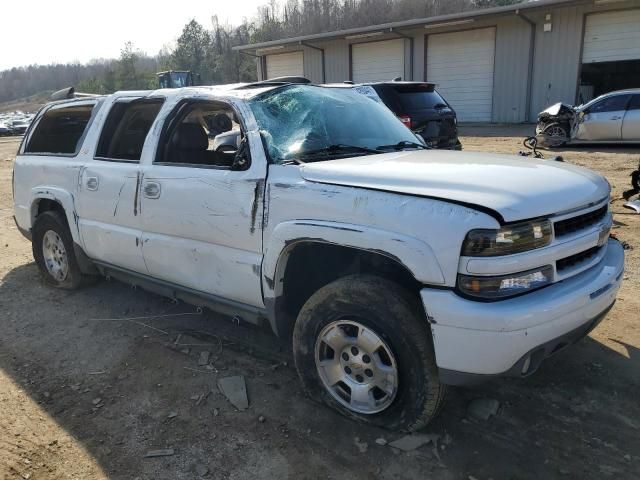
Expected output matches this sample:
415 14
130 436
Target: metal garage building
501 64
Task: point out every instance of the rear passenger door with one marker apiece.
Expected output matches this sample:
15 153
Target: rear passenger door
631 123
109 185
202 203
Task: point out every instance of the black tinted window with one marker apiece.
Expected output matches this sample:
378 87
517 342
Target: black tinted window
634 104
611 104
126 128
59 130
409 98
411 101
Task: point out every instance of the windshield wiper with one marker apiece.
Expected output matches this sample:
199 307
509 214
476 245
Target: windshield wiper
338 148
402 145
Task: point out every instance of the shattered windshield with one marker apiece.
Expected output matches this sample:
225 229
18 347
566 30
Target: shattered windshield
309 123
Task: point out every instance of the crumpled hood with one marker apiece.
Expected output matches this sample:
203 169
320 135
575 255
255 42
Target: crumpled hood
517 188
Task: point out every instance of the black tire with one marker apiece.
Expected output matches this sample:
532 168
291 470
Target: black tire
395 316
56 221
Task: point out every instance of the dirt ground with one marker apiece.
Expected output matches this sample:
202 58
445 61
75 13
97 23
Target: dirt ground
85 394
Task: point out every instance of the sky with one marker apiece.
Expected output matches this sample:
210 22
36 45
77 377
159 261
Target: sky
45 31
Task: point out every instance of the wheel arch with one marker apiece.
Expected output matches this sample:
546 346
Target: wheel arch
50 198
325 251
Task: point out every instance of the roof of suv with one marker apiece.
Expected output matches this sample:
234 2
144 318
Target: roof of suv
398 83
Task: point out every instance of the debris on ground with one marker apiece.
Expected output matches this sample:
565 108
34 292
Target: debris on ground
381 441
200 398
261 419
203 359
96 401
172 414
235 389
201 470
414 441
362 446
164 452
483 408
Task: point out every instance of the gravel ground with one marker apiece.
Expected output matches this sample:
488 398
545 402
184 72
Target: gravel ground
85 394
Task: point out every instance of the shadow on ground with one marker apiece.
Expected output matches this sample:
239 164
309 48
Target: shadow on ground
579 416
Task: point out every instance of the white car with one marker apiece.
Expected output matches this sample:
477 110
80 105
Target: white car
610 118
394 270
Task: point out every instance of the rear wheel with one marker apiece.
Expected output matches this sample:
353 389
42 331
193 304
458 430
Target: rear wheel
53 251
363 347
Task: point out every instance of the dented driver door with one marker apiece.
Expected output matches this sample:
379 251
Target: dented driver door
202 223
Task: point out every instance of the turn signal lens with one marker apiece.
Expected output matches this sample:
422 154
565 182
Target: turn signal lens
508 240
506 285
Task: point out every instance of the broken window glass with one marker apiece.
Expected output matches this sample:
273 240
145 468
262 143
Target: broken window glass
126 128
59 130
305 118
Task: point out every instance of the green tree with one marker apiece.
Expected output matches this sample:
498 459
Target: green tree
126 75
193 49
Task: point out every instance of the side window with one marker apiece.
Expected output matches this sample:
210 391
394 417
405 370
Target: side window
204 133
126 128
611 104
59 130
634 104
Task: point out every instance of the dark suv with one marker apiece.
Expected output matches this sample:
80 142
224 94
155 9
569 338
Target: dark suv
421 108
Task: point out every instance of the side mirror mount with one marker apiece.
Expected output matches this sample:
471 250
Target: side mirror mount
242 158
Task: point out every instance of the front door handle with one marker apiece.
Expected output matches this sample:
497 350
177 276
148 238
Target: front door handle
92 183
616 118
151 190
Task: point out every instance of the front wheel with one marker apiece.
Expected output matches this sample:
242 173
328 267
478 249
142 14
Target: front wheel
362 346
556 134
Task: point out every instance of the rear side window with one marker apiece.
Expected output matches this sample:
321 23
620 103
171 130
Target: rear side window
126 129
60 130
634 104
610 104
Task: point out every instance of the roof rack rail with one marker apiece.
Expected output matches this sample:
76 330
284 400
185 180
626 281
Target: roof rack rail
274 82
69 93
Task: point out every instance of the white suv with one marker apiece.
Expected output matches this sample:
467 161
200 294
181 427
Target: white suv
393 269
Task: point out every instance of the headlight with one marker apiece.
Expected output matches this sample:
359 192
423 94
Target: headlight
505 285
509 239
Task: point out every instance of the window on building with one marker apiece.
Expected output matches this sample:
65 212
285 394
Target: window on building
126 129
60 130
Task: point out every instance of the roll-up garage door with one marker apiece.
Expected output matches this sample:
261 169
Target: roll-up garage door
285 65
612 36
377 61
461 63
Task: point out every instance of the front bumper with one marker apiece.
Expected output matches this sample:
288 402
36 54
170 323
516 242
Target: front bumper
474 340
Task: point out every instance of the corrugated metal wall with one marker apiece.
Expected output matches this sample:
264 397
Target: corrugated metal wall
558 53
556 66
554 74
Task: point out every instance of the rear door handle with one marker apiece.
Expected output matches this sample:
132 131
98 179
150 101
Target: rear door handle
616 118
92 183
151 190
